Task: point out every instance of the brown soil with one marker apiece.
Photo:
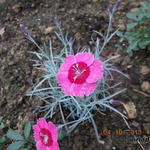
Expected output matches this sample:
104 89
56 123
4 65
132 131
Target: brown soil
79 18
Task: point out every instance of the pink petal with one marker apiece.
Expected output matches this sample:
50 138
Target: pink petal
66 89
85 57
53 129
68 62
90 88
36 130
62 78
55 146
42 123
70 59
81 90
40 146
96 72
75 90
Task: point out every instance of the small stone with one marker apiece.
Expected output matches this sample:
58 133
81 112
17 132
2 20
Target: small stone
2 31
95 1
135 124
6 87
129 66
62 9
146 86
72 11
11 63
146 126
48 30
17 8
130 109
144 70
32 5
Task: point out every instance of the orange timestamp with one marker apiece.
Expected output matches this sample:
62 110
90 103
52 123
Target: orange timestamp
121 132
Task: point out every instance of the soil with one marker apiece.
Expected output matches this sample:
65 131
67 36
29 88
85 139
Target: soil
79 18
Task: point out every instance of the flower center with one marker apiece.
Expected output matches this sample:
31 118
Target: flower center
46 137
78 73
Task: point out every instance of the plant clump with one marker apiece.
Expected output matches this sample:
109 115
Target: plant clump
138 34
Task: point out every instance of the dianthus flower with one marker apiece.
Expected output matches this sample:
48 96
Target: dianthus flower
79 74
45 135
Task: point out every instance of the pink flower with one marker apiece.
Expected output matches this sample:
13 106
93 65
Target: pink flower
79 74
45 135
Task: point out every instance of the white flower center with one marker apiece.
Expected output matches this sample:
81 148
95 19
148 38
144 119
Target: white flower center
45 138
78 72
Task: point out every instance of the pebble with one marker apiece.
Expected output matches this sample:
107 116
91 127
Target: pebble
48 30
130 109
146 126
144 70
17 8
146 86
2 31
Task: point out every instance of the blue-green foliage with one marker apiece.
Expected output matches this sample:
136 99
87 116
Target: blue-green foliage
138 36
16 140
79 109
73 110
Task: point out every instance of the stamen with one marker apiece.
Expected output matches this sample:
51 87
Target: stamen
45 138
78 72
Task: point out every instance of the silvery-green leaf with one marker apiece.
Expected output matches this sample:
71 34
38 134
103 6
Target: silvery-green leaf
2 139
16 145
119 34
11 134
143 43
1 126
27 129
131 25
132 16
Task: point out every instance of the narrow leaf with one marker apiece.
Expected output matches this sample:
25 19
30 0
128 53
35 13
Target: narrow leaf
133 45
2 139
11 134
62 134
119 34
131 25
15 146
132 16
27 129
144 43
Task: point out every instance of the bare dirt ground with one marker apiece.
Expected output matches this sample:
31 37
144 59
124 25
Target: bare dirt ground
79 18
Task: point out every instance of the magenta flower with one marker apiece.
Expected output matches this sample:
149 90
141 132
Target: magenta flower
45 135
79 74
